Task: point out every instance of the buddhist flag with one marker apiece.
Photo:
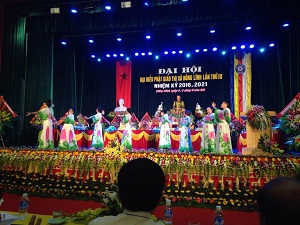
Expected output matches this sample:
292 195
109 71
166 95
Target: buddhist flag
242 83
123 82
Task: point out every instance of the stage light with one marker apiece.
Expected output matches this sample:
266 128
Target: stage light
143 54
126 4
212 30
215 49
188 55
248 28
173 52
114 55
205 50
223 52
233 47
149 53
93 56
156 57
64 43
146 4
251 46
271 45
91 41
107 7
148 36
179 34
262 50
197 50
99 60
286 25
121 55
136 54
243 46
107 55
184 0
119 39
180 51
127 58
166 52
73 10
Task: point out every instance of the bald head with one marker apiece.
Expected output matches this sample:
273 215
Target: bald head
279 201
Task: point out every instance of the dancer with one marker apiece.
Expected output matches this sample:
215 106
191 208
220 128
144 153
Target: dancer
127 132
164 138
67 136
208 142
45 137
185 143
223 139
97 141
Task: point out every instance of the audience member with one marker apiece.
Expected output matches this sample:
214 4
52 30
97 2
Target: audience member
279 202
141 183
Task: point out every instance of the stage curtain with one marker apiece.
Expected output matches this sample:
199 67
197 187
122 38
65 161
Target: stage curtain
38 79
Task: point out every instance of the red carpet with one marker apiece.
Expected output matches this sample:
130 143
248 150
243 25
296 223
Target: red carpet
181 215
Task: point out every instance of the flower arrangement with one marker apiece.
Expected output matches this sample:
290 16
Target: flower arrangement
290 121
237 126
192 179
258 118
267 145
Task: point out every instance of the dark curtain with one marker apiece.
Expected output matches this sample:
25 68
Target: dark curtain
38 79
12 69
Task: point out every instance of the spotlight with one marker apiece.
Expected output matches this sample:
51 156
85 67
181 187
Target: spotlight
251 46
243 46
205 50
91 41
136 54
180 51
223 52
166 52
149 53
215 49
93 56
143 54
107 7
146 4
212 30
148 36
64 43
272 45
197 50
119 39
173 52
107 55
184 0
179 34
262 50
99 60
121 55
188 55
233 47
286 25
73 10
127 58
114 55
248 28
156 57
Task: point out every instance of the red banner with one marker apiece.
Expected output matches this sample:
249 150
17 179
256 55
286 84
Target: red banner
123 82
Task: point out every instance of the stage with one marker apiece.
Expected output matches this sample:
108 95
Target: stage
191 179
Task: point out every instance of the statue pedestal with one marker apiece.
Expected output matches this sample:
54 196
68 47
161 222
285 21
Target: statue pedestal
254 135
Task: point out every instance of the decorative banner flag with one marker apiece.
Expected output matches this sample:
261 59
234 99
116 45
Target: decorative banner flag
242 83
123 82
